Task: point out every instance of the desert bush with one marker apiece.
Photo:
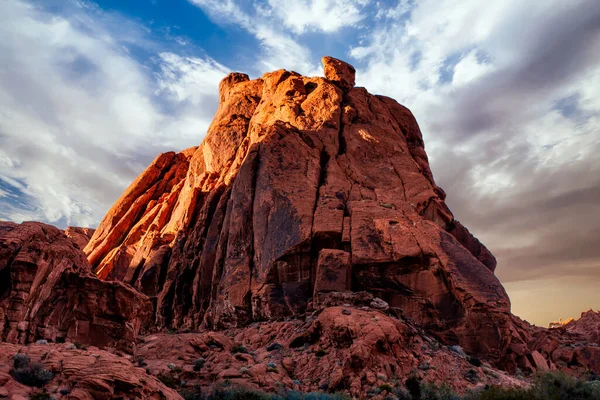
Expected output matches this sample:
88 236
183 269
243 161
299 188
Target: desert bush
20 360
271 367
238 393
386 388
141 362
551 385
320 353
274 346
430 391
190 395
458 350
239 349
198 364
40 396
324 396
32 374
81 346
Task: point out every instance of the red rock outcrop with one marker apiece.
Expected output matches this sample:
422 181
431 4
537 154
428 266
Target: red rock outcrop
80 375
588 325
341 348
48 291
80 236
573 348
296 177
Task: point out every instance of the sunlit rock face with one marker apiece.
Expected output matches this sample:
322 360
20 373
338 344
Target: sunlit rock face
303 186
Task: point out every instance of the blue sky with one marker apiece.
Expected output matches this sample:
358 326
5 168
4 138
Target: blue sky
505 94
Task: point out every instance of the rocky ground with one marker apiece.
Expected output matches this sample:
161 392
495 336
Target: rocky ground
346 349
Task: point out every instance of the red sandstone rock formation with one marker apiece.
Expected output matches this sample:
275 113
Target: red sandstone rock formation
47 291
302 186
80 236
80 374
573 348
588 325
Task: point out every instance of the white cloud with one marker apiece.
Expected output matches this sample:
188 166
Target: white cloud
189 78
327 16
279 47
81 117
469 69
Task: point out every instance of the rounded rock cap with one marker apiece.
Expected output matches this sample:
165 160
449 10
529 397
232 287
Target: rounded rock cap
339 72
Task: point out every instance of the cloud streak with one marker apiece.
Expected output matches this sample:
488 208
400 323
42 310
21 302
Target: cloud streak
81 117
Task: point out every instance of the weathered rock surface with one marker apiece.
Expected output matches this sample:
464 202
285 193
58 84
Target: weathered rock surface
300 179
345 349
47 291
588 325
80 236
573 348
80 374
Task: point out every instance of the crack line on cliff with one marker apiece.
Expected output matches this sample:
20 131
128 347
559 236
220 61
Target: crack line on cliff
251 264
401 181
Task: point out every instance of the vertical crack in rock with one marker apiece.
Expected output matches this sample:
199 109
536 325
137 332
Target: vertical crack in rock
401 182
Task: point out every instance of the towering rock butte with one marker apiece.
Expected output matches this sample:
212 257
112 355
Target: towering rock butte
302 186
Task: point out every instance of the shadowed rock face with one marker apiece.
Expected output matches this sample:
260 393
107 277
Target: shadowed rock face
80 236
48 291
302 186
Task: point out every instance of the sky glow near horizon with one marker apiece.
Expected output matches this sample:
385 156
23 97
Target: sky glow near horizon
506 95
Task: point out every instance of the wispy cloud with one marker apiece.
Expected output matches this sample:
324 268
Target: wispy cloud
81 116
328 16
278 46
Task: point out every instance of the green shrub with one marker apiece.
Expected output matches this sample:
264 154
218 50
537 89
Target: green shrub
324 396
548 386
198 364
190 395
140 362
386 388
32 375
20 360
430 391
239 349
80 346
239 393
